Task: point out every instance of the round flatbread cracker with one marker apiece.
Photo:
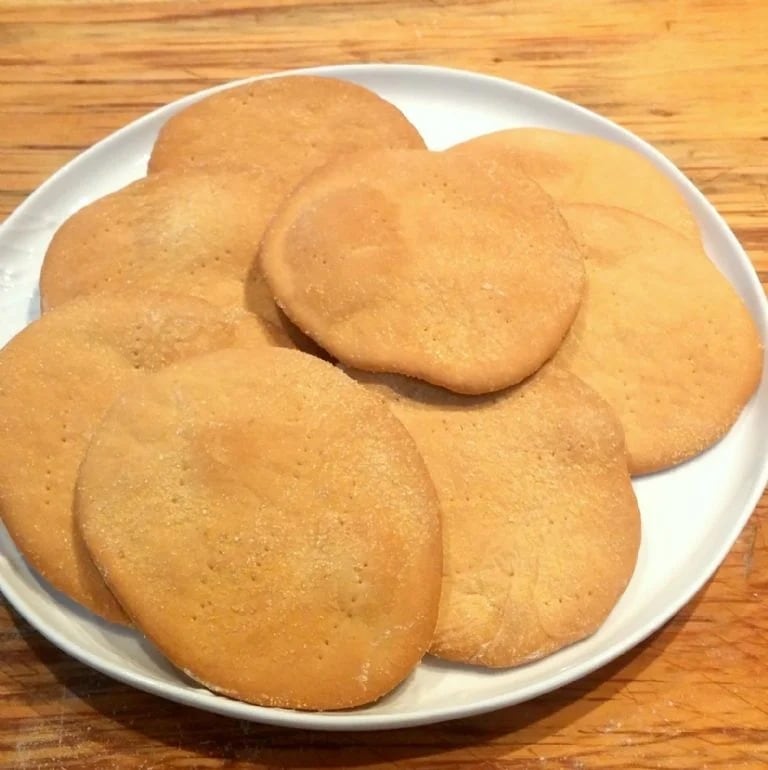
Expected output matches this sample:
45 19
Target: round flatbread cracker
57 378
288 125
195 233
269 525
661 335
445 268
577 168
541 527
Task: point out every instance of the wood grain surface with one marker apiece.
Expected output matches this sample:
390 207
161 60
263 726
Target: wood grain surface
691 77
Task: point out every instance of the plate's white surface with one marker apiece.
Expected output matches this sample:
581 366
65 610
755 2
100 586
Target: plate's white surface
691 515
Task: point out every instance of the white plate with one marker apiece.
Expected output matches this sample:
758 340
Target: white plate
691 515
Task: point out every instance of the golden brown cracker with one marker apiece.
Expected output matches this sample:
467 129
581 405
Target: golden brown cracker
269 525
57 377
438 266
288 125
195 233
579 168
661 335
541 527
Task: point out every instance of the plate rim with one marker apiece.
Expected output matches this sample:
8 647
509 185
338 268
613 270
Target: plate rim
347 721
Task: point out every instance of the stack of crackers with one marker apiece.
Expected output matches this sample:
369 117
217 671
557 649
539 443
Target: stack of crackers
310 401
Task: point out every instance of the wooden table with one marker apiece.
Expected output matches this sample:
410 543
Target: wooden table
691 77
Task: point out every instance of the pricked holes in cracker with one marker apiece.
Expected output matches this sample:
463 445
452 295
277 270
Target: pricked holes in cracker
48 474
